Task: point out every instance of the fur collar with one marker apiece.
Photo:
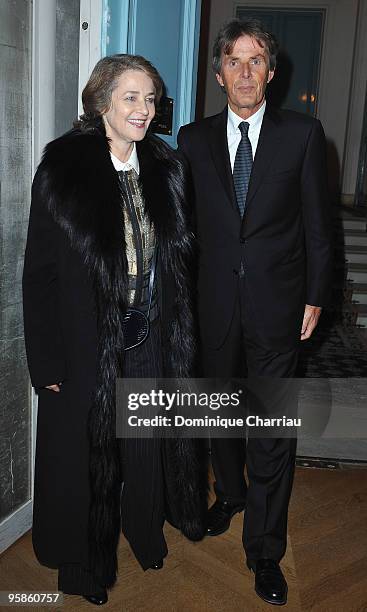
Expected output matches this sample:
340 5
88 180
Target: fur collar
84 195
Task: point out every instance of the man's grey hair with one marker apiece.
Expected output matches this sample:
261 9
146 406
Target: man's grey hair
232 30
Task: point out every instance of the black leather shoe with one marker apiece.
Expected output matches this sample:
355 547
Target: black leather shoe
98 599
219 517
270 583
157 565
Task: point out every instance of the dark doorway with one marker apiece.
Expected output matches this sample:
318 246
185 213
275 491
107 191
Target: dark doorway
299 32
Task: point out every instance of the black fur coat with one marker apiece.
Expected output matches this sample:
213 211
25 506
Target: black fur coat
78 184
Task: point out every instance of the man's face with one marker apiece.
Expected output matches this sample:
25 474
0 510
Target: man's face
244 75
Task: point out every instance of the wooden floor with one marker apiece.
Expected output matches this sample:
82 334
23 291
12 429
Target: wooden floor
325 564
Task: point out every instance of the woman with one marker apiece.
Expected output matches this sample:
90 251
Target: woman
108 201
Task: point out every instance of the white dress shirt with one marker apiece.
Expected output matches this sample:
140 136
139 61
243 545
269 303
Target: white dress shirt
234 135
132 162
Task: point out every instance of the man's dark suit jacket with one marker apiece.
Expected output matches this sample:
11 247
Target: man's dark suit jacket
284 237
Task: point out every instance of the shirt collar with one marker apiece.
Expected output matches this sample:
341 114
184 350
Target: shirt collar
254 121
131 163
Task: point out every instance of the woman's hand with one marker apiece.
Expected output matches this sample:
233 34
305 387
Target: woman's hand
55 388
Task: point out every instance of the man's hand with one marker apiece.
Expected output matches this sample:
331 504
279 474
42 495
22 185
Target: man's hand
310 320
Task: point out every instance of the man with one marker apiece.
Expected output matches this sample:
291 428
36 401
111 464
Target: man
263 230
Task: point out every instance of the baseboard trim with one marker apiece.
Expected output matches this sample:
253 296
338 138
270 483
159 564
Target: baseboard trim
326 463
15 525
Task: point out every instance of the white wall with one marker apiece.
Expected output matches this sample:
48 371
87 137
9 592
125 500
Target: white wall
343 78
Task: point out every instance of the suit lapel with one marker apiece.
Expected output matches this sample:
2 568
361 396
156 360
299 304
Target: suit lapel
269 140
220 154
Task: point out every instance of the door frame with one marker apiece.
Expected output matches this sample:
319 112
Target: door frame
360 195
357 112
92 13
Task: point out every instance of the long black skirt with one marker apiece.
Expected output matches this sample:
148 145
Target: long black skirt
61 501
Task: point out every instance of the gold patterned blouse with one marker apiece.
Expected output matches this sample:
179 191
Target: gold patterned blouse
140 240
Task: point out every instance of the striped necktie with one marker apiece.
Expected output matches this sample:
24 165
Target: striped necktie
242 167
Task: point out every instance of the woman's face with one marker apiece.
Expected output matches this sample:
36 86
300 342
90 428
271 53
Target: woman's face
132 108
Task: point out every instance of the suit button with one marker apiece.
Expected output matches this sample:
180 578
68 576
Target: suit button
235 271
242 240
